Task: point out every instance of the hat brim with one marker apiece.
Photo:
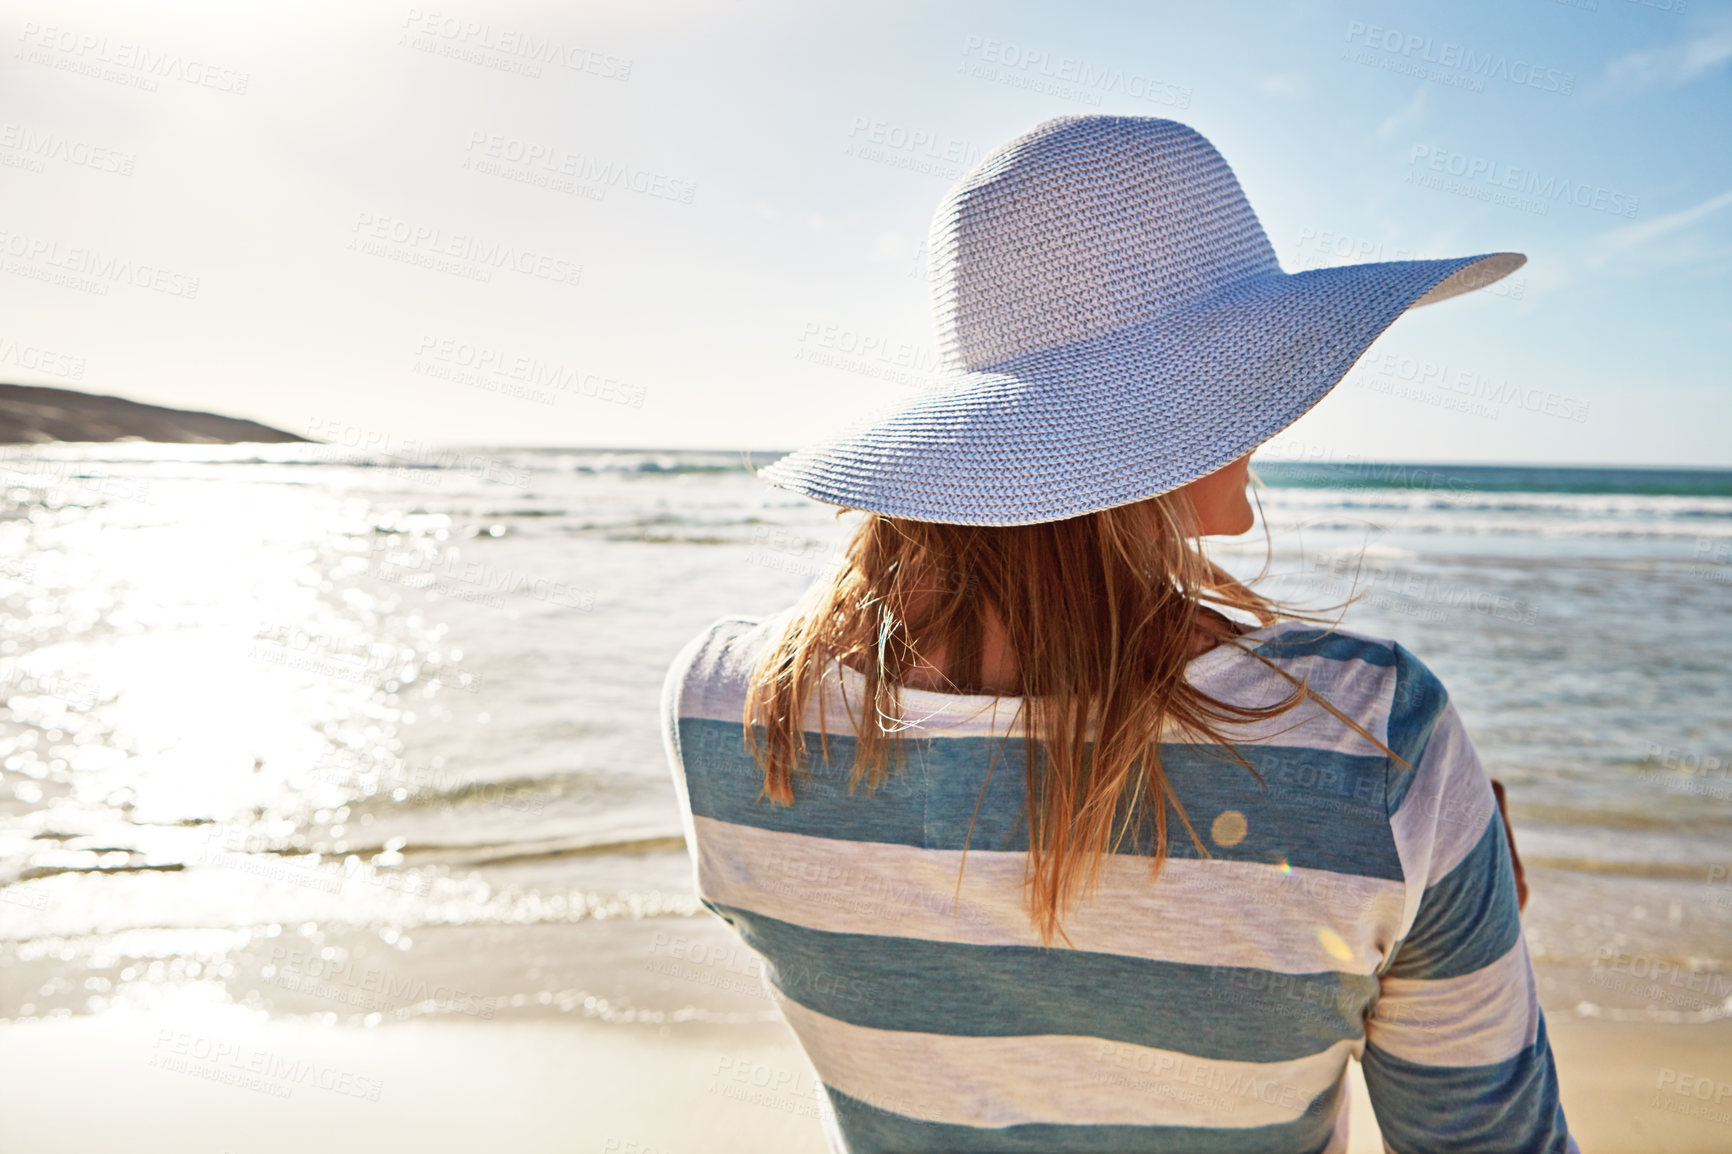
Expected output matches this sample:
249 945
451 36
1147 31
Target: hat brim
1128 415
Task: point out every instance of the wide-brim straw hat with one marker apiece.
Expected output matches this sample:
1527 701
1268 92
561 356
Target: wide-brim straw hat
1112 324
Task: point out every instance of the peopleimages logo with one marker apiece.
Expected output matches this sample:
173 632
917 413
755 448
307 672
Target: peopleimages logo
555 160
89 269
446 359
104 59
1446 54
40 360
463 254
1069 77
497 46
39 145
1480 170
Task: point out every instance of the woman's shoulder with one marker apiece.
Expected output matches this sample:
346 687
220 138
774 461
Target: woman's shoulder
1369 674
719 658
1294 640
1322 646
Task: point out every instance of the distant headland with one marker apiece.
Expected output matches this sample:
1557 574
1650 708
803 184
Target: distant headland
31 414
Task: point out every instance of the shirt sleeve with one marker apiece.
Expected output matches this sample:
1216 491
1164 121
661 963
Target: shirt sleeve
1456 1056
683 694
672 698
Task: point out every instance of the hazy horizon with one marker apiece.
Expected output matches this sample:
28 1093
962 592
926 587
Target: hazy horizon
1260 457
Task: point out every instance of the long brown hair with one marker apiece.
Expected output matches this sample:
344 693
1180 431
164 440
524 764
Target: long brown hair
1099 611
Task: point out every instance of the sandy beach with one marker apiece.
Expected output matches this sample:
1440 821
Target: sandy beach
168 1082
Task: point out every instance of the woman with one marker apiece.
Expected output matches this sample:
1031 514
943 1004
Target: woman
1053 837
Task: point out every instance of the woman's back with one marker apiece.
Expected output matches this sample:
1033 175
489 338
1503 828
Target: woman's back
1349 906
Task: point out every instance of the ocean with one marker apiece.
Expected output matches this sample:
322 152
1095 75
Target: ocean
360 736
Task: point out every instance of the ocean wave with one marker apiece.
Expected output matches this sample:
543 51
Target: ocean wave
1461 479
379 450
1657 870
408 454
1703 1016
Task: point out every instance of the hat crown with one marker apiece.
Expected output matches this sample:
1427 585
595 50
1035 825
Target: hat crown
1082 226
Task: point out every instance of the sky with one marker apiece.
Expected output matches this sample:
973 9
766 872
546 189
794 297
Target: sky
701 225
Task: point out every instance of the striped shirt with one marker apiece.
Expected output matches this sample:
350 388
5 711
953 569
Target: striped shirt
1348 908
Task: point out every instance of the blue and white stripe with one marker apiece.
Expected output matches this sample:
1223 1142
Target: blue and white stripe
1367 912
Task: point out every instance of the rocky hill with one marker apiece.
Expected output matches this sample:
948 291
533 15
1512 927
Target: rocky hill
31 415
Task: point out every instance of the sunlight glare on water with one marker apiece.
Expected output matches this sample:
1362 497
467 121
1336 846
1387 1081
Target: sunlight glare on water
296 729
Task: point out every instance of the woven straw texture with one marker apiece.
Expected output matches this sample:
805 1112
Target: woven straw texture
1113 323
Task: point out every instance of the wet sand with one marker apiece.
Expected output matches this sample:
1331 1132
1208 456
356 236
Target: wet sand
194 1080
